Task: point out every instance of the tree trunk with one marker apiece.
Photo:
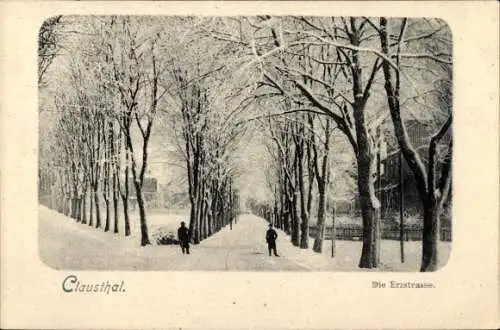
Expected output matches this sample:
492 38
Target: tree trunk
84 208
198 230
106 169
204 214
211 222
106 223
125 197
277 218
142 213
91 213
97 209
192 218
334 232
206 219
67 211
369 209
304 217
199 221
125 215
203 219
430 238
73 208
115 213
124 193
370 206
401 210
363 148
433 206
310 174
285 210
220 208
194 226
105 195
320 225
215 211
79 209
199 214
294 220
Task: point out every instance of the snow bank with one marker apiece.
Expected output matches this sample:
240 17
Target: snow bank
66 244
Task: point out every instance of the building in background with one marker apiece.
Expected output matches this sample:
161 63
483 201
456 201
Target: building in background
150 193
420 135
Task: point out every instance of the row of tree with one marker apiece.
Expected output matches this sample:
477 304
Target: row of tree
208 145
300 174
106 99
311 75
335 67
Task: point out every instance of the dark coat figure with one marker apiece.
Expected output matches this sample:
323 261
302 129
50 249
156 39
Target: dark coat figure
271 237
184 235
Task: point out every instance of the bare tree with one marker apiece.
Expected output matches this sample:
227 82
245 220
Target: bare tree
345 37
49 44
433 186
130 60
321 163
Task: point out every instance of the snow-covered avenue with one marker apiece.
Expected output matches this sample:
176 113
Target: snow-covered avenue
66 244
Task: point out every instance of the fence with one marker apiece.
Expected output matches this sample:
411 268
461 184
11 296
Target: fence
356 233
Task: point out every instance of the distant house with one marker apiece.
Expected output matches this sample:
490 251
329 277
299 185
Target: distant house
345 206
149 192
420 135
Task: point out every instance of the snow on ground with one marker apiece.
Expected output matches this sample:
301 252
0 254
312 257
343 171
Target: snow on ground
66 244
348 253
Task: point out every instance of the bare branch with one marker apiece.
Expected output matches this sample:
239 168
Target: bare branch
420 37
434 57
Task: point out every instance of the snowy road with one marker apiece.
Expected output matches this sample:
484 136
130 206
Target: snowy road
65 244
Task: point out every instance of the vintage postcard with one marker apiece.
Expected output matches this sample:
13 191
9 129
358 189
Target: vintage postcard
249 165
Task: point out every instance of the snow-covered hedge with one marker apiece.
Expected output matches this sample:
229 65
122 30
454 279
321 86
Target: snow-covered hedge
164 236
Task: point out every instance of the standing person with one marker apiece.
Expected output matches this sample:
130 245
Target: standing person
271 237
184 235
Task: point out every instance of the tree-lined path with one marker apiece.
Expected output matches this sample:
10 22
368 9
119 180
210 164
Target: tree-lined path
286 117
65 244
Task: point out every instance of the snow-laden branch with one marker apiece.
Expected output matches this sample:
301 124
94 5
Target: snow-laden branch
420 36
347 46
308 110
306 75
315 101
434 57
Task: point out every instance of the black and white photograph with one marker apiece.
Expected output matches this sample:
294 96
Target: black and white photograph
249 165
245 143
